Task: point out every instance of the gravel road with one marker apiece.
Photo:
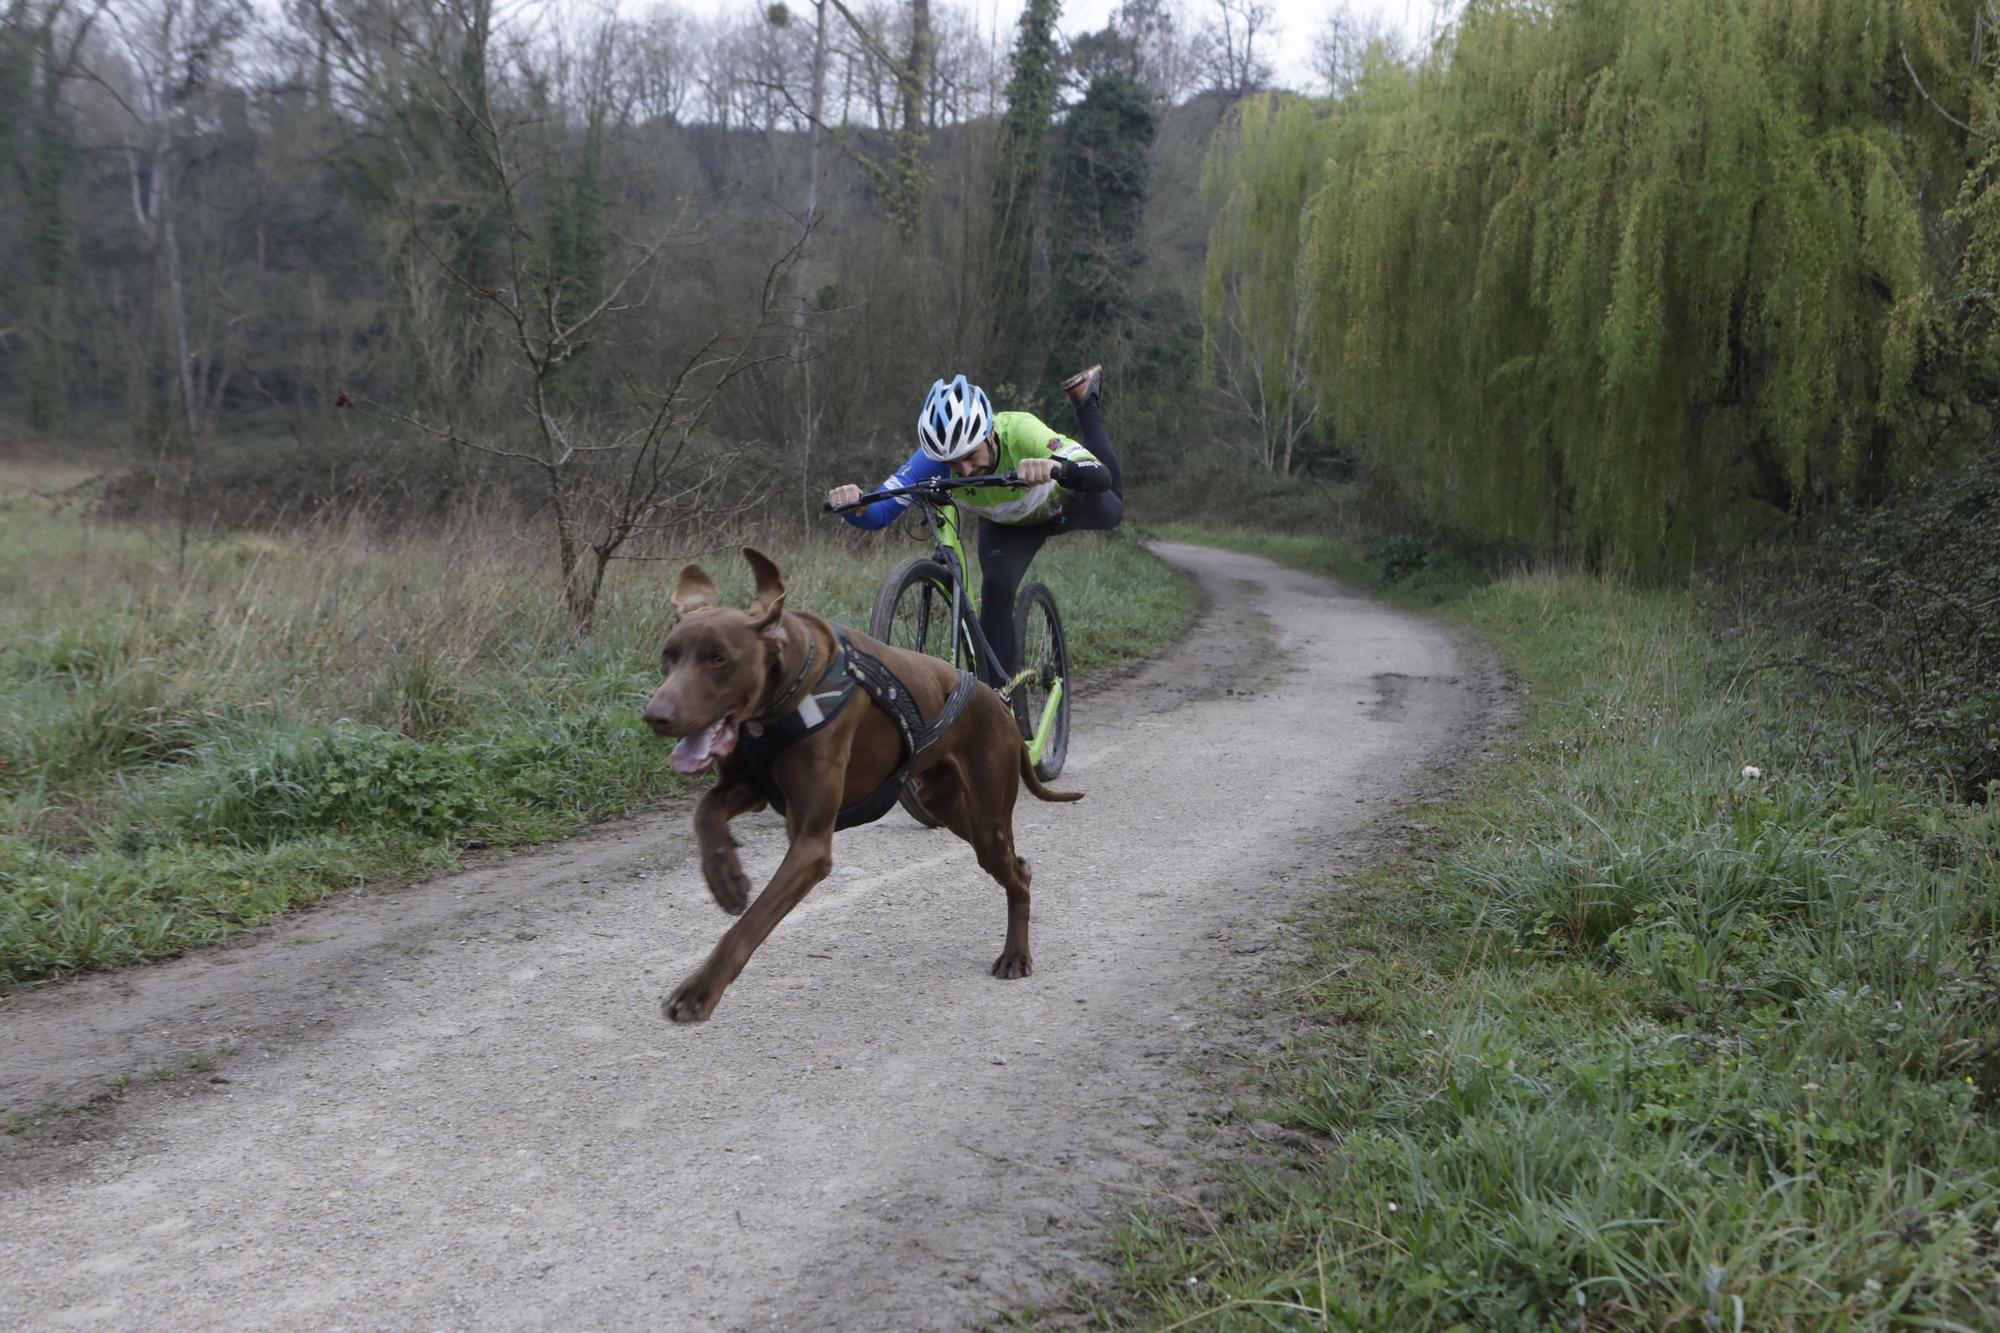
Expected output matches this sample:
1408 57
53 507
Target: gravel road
457 1105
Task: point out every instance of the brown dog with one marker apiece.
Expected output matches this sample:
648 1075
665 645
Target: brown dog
734 674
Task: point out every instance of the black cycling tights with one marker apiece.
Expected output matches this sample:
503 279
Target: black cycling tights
1005 549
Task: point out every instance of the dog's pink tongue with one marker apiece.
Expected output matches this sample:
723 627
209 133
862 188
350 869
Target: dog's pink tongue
691 753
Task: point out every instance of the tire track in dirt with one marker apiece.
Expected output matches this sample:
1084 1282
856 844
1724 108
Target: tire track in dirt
457 1106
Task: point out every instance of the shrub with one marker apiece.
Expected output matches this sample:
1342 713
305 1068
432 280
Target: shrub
1900 604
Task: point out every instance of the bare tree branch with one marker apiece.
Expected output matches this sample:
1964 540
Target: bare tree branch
1936 105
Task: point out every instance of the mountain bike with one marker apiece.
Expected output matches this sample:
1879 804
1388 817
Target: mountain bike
926 606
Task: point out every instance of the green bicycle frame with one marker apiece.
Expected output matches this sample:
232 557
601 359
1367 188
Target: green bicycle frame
943 521
1049 706
947 532
944 526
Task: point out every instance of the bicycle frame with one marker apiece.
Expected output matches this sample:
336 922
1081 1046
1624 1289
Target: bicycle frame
1050 706
950 552
948 548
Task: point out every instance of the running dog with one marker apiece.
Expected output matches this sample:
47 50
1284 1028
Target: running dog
825 724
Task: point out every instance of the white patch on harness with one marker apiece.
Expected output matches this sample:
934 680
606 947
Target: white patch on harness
809 711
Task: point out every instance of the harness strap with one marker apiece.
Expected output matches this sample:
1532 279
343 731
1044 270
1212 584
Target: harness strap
891 697
954 704
889 694
783 702
848 669
761 742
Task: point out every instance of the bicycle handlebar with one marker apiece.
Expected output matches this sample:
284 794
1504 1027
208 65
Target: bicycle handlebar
933 489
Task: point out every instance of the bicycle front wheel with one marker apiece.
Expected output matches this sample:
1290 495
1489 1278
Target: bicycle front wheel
914 611
1038 629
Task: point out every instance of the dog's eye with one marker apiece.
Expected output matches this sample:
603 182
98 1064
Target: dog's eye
718 659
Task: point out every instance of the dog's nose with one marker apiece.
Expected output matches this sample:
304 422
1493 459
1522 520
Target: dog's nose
658 718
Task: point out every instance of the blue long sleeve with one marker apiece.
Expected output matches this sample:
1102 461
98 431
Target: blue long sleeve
885 511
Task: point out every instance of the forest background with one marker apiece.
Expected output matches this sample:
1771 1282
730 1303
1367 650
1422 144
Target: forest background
1631 283
634 272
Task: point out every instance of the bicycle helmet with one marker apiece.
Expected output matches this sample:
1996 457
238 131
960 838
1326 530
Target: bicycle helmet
956 417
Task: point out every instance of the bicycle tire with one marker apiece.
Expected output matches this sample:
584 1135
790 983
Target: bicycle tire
1039 633
925 625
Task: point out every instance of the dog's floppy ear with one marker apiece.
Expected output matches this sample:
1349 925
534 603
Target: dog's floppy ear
770 601
695 591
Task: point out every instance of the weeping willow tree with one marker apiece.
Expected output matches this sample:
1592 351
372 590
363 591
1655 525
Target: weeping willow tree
1255 331
1635 277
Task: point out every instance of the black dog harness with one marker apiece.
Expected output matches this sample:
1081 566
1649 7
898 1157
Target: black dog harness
850 668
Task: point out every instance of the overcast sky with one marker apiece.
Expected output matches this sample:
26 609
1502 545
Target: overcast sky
1289 49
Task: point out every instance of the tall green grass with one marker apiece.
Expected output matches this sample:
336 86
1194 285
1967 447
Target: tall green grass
1686 1017
184 753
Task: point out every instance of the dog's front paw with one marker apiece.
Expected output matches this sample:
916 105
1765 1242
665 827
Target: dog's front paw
692 1001
1013 964
727 881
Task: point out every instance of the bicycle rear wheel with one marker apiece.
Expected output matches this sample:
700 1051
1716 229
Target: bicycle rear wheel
914 611
1038 629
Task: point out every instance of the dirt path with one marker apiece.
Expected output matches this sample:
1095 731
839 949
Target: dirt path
457 1106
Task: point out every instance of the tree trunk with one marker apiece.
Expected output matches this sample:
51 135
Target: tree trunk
45 163
583 601
1017 179
1773 482
578 599
909 170
177 319
801 273
916 71
158 216
322 72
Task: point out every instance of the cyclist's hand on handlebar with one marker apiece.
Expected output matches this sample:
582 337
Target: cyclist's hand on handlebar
1035 471
843 495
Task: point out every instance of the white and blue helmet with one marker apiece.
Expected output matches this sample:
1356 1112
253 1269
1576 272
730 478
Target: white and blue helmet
956 417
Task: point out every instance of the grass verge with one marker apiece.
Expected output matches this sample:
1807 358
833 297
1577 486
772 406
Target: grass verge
1686 1016
186 753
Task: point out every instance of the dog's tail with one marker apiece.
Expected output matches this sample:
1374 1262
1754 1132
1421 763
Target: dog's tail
1034 784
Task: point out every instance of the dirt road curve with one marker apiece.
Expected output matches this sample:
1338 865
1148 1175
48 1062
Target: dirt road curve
457 1106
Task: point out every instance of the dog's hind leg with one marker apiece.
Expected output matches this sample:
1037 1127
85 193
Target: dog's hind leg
731 796
986 820
998 858
807 862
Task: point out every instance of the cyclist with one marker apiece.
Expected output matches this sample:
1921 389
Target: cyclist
1066 486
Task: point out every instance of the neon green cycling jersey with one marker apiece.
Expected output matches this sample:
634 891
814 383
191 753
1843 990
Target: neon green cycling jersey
1023 435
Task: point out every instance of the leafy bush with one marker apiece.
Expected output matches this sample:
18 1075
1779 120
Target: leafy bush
325 779
1901 605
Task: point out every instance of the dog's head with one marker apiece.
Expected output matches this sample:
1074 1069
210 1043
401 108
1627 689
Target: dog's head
719 663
